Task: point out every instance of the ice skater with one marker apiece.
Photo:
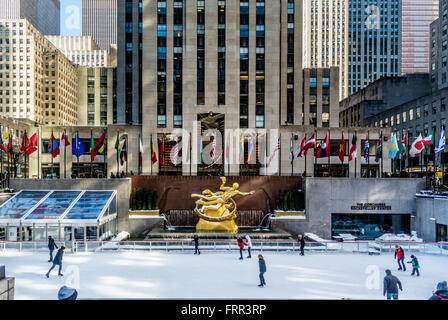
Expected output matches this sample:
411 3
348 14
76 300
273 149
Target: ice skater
262 267
391 285
399 255
57 261
301 242
51 246
441 292
249 245
196 244
415 265
241 244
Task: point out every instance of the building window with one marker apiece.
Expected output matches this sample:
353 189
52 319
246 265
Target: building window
244 63
418 112
411 114
442 105
404 117
200 52
161 64
425 110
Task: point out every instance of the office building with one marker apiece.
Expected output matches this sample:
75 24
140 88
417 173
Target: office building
99 20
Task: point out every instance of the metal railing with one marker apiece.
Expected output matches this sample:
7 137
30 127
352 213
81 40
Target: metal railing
438 248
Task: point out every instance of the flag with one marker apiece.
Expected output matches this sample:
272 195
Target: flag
428 141
379 150
291 150
175 154
417 146
153 153
118 145
2 147
24 143
309 144
140 153
189 149
64 141
92 147
6 139
441 144
353 154
402 145
242 150
277 147
78 147
324 150
32 144
200 150
299 151
53 146
393 147
366 149
124 153
162 158
251 150
342 149
98 146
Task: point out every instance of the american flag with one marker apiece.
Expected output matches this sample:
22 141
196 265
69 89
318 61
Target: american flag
175 154
277 147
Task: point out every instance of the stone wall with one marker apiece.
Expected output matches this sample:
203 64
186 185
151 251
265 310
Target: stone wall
430 211
7 289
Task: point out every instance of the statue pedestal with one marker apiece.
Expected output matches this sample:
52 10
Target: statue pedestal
228 226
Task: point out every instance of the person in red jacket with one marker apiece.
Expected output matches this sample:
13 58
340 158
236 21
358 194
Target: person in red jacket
399 255
241 245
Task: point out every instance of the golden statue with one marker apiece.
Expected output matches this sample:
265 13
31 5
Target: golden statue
217 210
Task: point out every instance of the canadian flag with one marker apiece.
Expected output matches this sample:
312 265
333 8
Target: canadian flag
417 146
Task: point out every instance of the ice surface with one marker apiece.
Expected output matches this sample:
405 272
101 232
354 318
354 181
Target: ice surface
218 275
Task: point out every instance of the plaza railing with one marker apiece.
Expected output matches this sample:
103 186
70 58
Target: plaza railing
367 247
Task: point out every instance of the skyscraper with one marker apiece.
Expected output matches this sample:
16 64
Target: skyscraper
374 41
44 15
417 16
99 20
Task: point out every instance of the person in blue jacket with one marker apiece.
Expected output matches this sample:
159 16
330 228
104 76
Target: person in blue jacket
51 246
57 261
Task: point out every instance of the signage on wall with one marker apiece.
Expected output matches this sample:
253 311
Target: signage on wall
371 206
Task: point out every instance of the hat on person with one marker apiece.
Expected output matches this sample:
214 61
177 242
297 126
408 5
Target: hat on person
442 286
66 293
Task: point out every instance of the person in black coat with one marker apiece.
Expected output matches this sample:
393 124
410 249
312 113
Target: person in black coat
391 285
301 241
57 261
51 246
262 267
441 293
196 244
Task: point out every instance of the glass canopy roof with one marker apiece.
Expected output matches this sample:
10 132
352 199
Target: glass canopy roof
57 205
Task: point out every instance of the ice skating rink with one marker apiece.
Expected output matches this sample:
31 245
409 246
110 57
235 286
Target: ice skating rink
138 275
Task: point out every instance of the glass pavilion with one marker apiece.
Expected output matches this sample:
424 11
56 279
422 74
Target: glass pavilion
66 215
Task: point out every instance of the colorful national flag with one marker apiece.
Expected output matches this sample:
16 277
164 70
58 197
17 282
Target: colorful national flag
402 145
6 141
32 144
342 149
309 144
140 152
291 150
200 150
64 141
353 154
366 149
98 147
175 154
417 146
228 149
242 150
78 146
189 149
2 147
124 153
251 151
24 143
299 151
429 141
277 147
324 150
92 147
162 157
379 149
153 153
393 147
53 146
441 144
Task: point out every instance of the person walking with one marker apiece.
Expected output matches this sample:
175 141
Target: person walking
301 241
441 292
262 267
391 285
196 244
399 255
51 246
415 265
249 245
241 246
57 262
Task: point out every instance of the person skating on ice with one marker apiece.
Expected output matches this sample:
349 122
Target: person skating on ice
57 261
249 245
262 267
441 292
301 242
391 285
399 255
241 246
196 244
415 265
51 246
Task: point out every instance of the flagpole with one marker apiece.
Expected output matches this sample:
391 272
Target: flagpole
38 154
356 163
292 155
118 163
65 155
329 154
105 153
305 156
368 156
190 147
139 139
52 160
77 153
24 151
127 146
152 145
91 161
280 156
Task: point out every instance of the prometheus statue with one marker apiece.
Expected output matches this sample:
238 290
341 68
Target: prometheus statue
217 210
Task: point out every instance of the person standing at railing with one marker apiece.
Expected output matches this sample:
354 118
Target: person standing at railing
399 255
51 246
249 245
415 265
196 244
241 244
301 241
57 262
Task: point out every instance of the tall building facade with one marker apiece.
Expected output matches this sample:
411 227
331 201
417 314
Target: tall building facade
130 59
99 20
43 14
417 15
439 48
326 27
37 82
374 41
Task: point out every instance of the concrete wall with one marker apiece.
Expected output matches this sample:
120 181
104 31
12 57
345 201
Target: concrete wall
123 187
325 196
430 207
138 225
